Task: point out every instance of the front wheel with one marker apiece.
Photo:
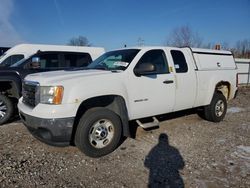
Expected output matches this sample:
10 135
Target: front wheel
217 109
99 132
6 109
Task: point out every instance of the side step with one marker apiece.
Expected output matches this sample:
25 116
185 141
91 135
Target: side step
154 123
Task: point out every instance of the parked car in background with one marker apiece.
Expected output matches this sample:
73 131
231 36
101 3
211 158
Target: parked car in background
54 58
24 51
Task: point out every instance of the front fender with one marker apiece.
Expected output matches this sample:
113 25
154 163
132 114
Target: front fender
11 83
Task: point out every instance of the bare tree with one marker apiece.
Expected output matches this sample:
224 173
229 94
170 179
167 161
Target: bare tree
184 36
79 41
243 48
225 46
140 41
208 45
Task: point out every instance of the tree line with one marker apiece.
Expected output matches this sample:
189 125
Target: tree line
185 36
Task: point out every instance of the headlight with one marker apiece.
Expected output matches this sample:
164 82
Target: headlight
51 94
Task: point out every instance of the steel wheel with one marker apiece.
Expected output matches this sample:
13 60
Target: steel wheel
219 108
101 133
3 109
6 109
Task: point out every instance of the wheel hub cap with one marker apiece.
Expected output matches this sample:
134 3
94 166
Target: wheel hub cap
3 109
101 133
219 108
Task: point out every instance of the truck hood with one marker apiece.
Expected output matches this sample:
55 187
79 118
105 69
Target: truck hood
52 77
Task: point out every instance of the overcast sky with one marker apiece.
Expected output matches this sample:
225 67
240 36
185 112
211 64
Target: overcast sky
113 23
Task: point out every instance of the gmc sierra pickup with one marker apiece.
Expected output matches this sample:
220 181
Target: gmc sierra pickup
92 107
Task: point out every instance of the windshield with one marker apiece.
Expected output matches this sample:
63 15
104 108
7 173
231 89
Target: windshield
19 62
114 60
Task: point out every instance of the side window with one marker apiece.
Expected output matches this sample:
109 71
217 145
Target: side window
49 61
42 61
157 58
77 59
180 63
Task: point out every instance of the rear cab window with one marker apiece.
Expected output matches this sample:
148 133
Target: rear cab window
180 62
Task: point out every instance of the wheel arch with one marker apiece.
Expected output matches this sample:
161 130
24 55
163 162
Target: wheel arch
223 87
11 88
114 103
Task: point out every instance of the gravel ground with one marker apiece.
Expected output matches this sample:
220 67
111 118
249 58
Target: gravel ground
184 151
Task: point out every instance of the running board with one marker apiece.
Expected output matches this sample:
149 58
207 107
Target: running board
154 123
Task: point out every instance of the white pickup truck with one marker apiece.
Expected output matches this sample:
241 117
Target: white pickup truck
92 107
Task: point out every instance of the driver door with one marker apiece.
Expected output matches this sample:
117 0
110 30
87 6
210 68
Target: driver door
154 93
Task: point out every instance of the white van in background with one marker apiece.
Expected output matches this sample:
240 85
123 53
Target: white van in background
24 51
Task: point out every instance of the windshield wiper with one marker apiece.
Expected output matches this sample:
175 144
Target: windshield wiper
76 68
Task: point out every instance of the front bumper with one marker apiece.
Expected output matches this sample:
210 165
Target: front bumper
56 131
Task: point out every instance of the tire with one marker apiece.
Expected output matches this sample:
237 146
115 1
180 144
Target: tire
6 109
99 132
217 109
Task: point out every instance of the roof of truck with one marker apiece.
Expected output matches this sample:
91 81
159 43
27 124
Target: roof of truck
194 50
197 50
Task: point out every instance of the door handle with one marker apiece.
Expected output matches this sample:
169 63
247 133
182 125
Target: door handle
168 81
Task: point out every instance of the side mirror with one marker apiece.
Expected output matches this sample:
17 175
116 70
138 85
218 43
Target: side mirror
35 63
35 59
144 69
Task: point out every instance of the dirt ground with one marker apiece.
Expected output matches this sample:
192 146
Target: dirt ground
184 151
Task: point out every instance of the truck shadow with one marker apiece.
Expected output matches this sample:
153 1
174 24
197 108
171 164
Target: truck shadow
164 162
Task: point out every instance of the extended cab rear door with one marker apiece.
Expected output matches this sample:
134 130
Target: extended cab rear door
152 94
185 78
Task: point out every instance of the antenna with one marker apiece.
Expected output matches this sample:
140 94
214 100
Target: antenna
140 41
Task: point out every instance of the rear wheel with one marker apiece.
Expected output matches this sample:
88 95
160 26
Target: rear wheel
6 109
217 109
99 132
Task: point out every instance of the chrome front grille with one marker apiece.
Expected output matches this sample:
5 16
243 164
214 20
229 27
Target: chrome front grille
30 93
